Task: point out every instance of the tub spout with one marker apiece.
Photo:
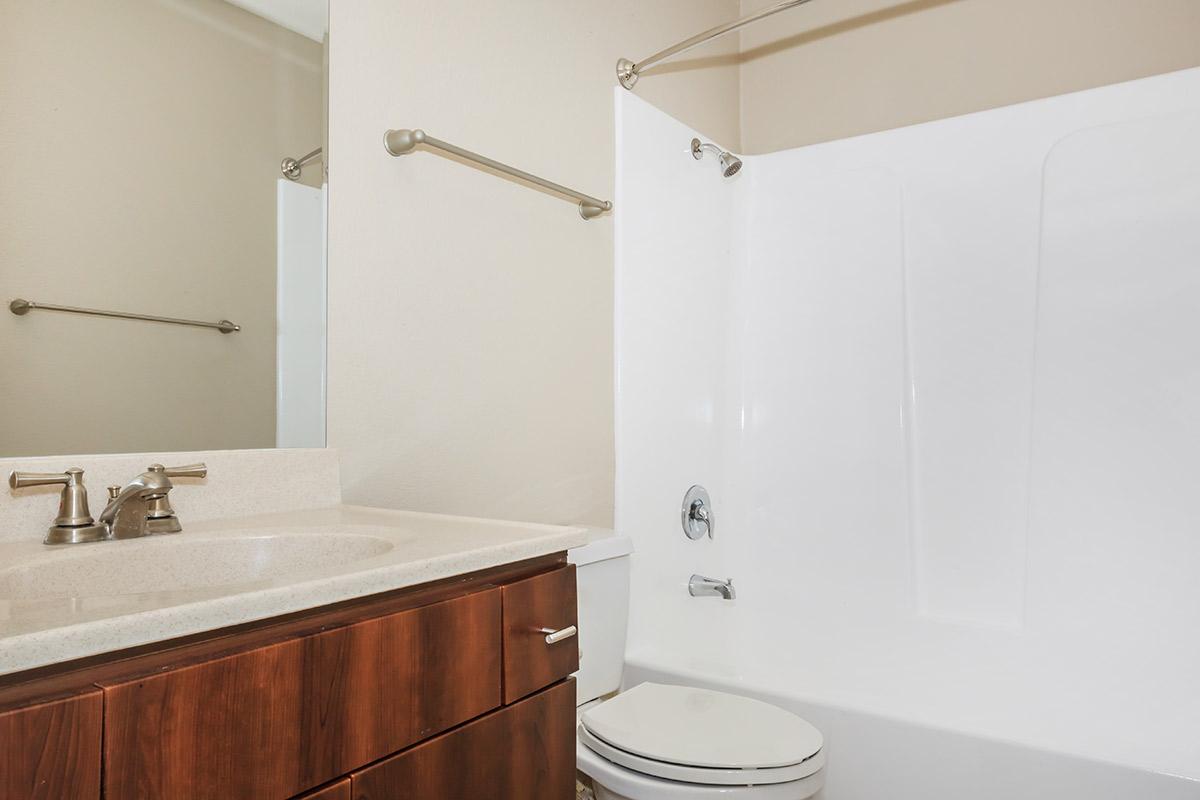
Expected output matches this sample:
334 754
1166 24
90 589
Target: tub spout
700 586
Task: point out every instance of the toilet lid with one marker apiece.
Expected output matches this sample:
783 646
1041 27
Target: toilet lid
707 776
702 728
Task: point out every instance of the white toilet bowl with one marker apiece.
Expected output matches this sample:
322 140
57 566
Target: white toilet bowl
657 742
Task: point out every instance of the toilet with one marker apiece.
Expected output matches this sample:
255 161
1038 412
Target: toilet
662 742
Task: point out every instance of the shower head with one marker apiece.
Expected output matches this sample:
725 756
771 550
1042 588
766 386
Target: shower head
730 164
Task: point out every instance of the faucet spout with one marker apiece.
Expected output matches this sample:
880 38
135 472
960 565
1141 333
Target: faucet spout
126 516
700 586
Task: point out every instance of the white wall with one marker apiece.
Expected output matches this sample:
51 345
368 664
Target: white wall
677 226
470 328
301 305
944 413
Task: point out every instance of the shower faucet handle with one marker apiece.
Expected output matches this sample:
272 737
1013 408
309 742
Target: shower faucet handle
697 514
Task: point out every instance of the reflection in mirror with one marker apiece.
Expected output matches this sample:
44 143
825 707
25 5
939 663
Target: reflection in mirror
145 143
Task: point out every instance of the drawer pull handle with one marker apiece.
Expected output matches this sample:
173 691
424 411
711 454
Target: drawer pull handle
554 637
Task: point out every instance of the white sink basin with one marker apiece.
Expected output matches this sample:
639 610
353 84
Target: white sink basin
181 563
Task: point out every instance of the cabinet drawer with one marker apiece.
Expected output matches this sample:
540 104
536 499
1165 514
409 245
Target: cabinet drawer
51 751
282 719
533 607
525 751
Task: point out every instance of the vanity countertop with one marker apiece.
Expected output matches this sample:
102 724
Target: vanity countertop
67 602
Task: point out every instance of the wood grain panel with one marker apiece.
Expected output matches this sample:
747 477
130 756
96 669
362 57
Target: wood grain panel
335 791
51 751
279 720
525 751
543 601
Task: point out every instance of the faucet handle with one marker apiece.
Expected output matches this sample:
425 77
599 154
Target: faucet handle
74 522
19 480
186 471
161 516
72 506
697 515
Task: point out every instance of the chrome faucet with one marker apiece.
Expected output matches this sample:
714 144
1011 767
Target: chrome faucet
141 508
128 512
696 513
700 586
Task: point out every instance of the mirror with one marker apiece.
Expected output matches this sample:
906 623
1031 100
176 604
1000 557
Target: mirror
143 176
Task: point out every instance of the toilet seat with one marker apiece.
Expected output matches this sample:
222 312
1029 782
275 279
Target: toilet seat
708 776
613 780
703 737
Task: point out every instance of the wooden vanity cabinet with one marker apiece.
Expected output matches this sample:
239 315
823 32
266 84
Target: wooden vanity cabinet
521 752
325 705
532 608
277 720
51 750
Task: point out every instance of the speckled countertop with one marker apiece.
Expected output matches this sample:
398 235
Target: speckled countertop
62 603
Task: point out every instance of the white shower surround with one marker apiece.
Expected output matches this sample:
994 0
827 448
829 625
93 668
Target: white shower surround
942 383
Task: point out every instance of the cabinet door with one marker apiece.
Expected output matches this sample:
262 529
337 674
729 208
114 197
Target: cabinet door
532 608
279 720
51 751
525 751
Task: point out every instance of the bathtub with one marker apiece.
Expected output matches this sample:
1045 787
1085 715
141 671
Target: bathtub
876 758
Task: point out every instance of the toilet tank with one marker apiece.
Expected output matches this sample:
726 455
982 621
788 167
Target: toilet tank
602 575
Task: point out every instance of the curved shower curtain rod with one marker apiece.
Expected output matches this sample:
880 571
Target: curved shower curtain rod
628 71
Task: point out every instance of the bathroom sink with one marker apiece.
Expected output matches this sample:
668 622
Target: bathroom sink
182 563
59 603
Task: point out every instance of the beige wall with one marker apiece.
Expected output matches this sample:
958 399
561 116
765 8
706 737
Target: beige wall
828 70
470 330
141 145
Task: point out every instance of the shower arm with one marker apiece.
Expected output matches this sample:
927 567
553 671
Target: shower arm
628 71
